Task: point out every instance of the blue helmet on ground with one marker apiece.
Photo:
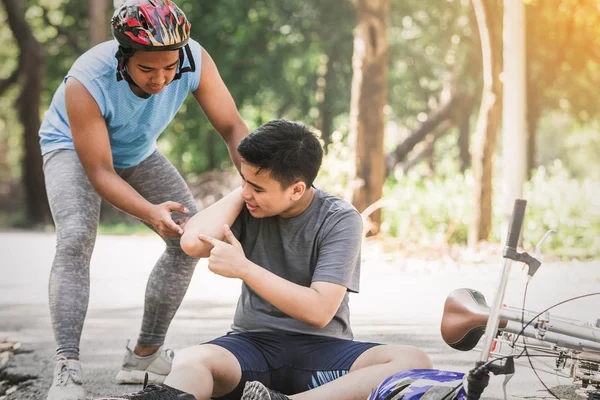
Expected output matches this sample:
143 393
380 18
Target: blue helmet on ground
421 384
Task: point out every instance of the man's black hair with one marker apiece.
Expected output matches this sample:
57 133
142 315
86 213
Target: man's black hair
289 151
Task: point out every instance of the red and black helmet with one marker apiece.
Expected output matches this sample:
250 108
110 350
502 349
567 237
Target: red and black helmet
150 25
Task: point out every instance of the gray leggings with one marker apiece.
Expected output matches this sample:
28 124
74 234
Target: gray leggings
76 209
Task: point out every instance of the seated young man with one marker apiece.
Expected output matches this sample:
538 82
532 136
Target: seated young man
297 251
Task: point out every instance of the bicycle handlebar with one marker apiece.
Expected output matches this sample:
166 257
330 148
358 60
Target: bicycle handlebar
516 224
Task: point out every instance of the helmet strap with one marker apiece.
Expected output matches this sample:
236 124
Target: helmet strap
123 55
191 67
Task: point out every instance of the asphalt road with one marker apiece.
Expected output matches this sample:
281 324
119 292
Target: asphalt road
401 301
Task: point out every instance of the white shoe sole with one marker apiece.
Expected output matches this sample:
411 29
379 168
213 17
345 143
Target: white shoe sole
255 391
137 376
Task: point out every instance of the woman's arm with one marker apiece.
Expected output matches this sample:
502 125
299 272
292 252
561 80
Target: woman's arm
219 107
90 138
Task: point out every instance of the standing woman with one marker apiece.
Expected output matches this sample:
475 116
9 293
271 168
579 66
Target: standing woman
98 140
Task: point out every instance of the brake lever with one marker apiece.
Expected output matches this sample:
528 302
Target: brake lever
538 247
507 378
534 263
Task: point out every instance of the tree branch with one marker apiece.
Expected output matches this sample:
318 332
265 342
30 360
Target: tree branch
12 79
17 24
19 30
443 112
430 140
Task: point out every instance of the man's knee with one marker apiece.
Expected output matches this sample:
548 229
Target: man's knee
198 356
215 359
189 357
418 359
398 356
409 357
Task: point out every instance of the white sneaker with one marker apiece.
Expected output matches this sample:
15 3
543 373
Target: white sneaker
68 378
135 368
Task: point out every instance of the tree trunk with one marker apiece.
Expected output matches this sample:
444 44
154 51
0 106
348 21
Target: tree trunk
533 92
488 123
464 134
98 21
368 99
324 97
29 112
463 116
31 66
533 116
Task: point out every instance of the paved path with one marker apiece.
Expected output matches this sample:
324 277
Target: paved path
400 302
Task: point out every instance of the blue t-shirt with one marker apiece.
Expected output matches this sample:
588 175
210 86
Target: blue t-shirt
133 123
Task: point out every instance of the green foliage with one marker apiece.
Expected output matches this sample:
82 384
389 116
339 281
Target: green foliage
438 211
71 17
10 130
284 59
429 42
571 207
268 53
124 228
336 166
576 144
428 211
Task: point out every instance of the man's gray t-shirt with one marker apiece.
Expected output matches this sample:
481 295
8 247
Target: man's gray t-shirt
321 244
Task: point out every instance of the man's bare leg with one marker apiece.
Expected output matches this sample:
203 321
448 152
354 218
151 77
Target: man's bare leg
368 371
204 371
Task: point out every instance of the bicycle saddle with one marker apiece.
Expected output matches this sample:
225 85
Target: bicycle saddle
465 315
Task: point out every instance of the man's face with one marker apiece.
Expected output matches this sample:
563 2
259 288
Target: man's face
264 196
153 70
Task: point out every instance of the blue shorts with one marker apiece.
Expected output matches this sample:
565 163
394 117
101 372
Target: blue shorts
289 363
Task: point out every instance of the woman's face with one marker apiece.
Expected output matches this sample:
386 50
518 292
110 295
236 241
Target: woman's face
152 71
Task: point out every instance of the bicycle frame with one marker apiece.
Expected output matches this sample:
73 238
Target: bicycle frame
560 331
514 233
558 335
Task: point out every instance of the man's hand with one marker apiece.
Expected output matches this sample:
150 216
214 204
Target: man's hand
163 223
226 259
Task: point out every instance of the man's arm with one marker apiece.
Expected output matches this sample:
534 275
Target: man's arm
219 107
210 222
315 305
90 138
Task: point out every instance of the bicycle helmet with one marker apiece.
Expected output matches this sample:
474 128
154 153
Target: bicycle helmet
421 384
150 25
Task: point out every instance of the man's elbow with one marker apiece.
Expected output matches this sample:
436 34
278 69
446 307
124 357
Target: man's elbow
194 247
321 320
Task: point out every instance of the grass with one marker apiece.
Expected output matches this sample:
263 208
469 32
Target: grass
124 228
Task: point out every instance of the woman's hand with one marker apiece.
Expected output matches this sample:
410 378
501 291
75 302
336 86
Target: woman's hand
162 221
